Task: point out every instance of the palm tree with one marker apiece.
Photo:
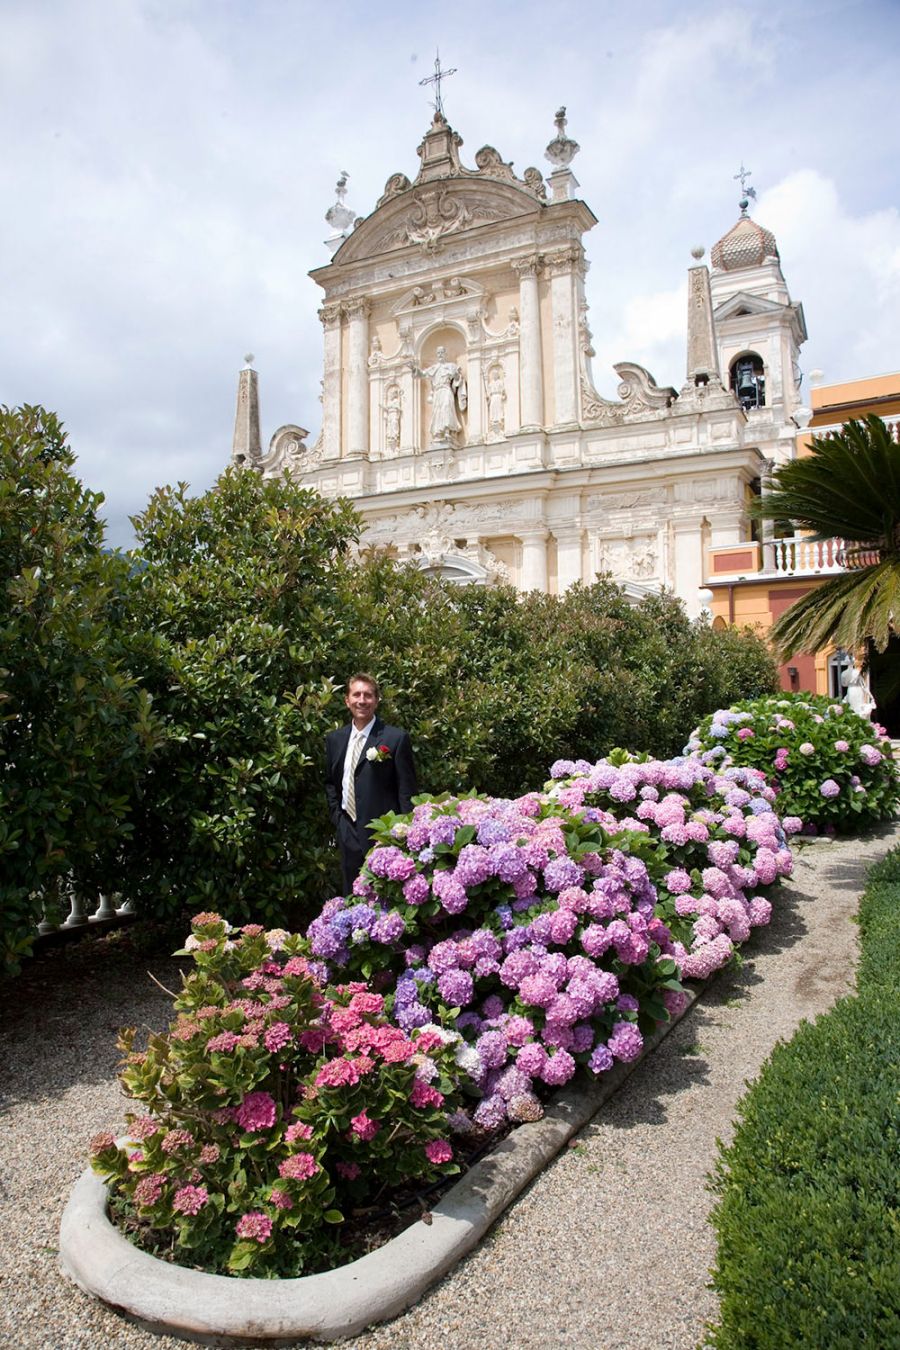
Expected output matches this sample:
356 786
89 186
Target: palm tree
847 487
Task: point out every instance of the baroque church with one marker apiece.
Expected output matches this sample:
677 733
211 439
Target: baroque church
459 412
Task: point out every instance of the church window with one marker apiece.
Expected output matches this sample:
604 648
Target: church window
748 380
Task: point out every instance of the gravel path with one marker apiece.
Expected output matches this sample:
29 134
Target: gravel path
608 1248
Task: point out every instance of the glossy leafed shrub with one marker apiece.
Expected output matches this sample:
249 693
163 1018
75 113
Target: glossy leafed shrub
271 1109
829 766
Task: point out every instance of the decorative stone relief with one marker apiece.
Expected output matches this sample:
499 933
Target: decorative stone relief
490 162
392 409
436 213
640 395
397 183
288 450
635 559
534 181
495 391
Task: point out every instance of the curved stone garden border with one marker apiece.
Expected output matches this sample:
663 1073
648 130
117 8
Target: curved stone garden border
337 1303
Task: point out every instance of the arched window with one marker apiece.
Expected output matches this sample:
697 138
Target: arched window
748 380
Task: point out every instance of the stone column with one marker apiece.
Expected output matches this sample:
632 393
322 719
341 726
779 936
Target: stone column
531 401
331 382
245 447
569 547
561 269
358 379
534 560
688 562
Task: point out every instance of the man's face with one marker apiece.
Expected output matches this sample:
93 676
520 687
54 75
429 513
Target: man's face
362 702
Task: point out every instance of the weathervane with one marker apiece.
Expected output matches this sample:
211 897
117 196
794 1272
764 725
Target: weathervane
435 79
747 192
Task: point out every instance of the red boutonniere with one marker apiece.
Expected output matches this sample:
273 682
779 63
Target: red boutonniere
379 755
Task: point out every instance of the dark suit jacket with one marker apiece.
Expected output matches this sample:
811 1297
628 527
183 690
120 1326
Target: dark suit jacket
383 786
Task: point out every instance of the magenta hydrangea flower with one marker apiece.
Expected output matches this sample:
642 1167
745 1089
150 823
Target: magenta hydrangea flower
256 1112
277 1037
829 789
363 1127
438 1151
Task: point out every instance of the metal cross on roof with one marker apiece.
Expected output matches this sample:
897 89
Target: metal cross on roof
742 176
435 79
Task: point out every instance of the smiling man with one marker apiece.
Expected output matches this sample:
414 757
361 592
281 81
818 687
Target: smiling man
369 770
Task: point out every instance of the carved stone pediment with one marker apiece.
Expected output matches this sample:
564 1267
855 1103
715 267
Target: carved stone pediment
641 398
427 213
440 292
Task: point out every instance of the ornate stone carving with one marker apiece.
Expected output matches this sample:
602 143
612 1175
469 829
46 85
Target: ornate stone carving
449 397
631 559
564 260
392 410
527 267
640 395
634 500
359 306
534 181
490 163
397 183
376 356
495 392
585 335
330 315
288 450
562 149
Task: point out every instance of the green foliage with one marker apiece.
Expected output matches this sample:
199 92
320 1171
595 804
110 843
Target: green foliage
831 767
807 1193
847 487
75 727
240 613
273 1108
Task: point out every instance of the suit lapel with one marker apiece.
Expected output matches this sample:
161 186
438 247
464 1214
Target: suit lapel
371 739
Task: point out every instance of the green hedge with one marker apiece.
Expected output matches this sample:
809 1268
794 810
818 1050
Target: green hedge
808 1214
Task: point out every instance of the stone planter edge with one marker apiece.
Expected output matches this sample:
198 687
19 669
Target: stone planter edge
225 1310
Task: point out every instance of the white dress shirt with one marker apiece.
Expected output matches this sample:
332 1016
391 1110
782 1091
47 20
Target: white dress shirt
348 757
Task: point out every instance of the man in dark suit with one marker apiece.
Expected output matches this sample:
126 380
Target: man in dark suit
368 771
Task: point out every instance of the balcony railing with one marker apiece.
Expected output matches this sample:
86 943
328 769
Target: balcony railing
795 556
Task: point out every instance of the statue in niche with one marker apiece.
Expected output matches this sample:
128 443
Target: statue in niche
495 386
449 397
375 350
393 411
513 328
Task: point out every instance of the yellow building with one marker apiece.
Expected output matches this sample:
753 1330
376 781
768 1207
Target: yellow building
755 582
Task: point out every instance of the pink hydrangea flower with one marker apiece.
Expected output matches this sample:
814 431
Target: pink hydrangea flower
190 1199
256 1226
299 1167
277 1037
438 1151
746 734
364 1127
256 1112
348 1170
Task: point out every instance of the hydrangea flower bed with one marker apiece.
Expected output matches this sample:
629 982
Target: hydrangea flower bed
550 931
717 844
271 1109
828 765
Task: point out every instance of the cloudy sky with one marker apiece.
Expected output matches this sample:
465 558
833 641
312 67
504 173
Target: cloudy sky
169 163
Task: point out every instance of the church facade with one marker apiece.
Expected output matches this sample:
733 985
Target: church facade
459 412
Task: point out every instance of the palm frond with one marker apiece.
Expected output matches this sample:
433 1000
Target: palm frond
848 486
845 610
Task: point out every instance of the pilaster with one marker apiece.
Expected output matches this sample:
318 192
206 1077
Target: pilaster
561 268
530 359
330 316
358 379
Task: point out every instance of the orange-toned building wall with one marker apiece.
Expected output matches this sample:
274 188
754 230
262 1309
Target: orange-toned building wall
742 594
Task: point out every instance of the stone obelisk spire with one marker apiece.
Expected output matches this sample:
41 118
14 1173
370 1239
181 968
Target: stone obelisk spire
246 449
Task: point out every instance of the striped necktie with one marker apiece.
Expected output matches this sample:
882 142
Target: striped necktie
355 752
